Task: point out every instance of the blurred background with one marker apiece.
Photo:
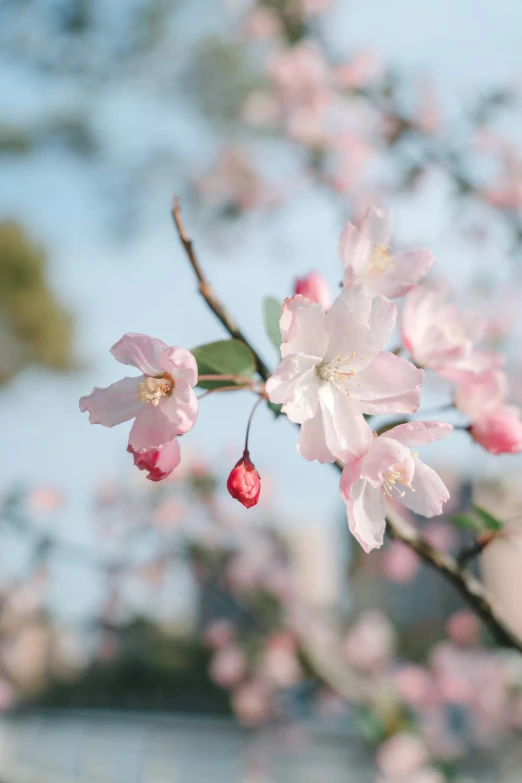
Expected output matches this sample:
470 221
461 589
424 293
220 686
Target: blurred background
159 633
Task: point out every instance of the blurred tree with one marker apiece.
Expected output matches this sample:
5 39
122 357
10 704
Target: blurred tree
34 327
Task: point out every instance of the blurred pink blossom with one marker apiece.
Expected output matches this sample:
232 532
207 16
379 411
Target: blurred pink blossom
399 563
402 756
220 633
228 666
463 628
252 702
370 643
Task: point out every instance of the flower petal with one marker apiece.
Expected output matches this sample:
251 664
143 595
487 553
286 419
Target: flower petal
141 351
151 429
179 363
312 442
346 431
364 508
115 404
280 382
359 322
380 458
430 491
181 408
417 433
303 328
389 385
410 266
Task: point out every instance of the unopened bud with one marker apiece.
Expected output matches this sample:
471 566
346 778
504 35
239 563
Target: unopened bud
316 288
244 483
159 462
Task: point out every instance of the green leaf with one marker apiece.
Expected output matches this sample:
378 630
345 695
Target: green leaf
466 521
490 522
272 313
276 409
224 357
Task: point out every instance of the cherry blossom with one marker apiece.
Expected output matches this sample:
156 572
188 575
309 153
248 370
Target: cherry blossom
388 468
495 425
366 257
316 288
333 371
442 338
161 400
244 482
158 462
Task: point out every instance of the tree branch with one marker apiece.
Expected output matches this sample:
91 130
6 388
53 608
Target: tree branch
463 580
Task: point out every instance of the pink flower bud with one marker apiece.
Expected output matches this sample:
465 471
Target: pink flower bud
499 430
314 287
159 462
244 483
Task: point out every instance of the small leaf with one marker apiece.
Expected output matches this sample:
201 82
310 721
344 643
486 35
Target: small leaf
272 313
224 357
466 521
490 522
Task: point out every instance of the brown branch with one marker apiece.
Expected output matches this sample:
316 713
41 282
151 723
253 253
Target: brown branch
463 580
468 553
208 293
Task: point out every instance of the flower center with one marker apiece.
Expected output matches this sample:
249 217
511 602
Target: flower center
339 371
380 259
397 475
153 389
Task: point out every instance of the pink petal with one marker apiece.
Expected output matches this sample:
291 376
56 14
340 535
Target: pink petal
430 492
359 322
364 507
179 363
312 443
115 404
159 462
280 384
151 429
302 398
140 351
380 458
410 267
355 246
388 384
416 433
181 408
303 327
346 431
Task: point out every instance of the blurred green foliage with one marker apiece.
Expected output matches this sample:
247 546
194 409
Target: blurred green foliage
34 327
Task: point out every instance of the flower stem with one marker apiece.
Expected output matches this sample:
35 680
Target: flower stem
256 405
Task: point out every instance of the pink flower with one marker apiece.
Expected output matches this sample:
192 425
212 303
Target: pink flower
442 338
370 643
402 755
415 685
499 431
387 466
399 563
219 633
366 257
495 425
158 462
316 288
252 702
463 628
161 400
333 371
244 483
228 666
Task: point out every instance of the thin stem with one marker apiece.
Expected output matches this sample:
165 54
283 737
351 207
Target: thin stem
235 387
254 409
239 379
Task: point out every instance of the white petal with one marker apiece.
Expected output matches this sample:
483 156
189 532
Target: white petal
279 383
115 404
416 433
430 491
151 429
303 328
312 442
380 457
388 385
346 431
181 408
364 508
302 398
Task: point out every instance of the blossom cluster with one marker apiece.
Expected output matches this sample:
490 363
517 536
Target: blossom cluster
334 376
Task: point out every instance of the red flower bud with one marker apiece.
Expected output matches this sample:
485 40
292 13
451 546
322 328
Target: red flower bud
159 462
244 483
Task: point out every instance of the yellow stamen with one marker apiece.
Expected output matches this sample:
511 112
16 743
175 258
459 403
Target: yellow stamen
153 389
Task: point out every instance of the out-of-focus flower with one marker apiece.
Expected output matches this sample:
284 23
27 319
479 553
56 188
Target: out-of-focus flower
316 288
158 462
401 756
220 633
463 628
414 685
332 371
252 702
244 483
228 666
44 499
262 22
387 466
358 72
161 401
301 76
399 563
280 662
442 338
366 258
495 425
370 643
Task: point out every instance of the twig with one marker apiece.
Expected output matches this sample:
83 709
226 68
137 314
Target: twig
469 552
463 580
208 294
